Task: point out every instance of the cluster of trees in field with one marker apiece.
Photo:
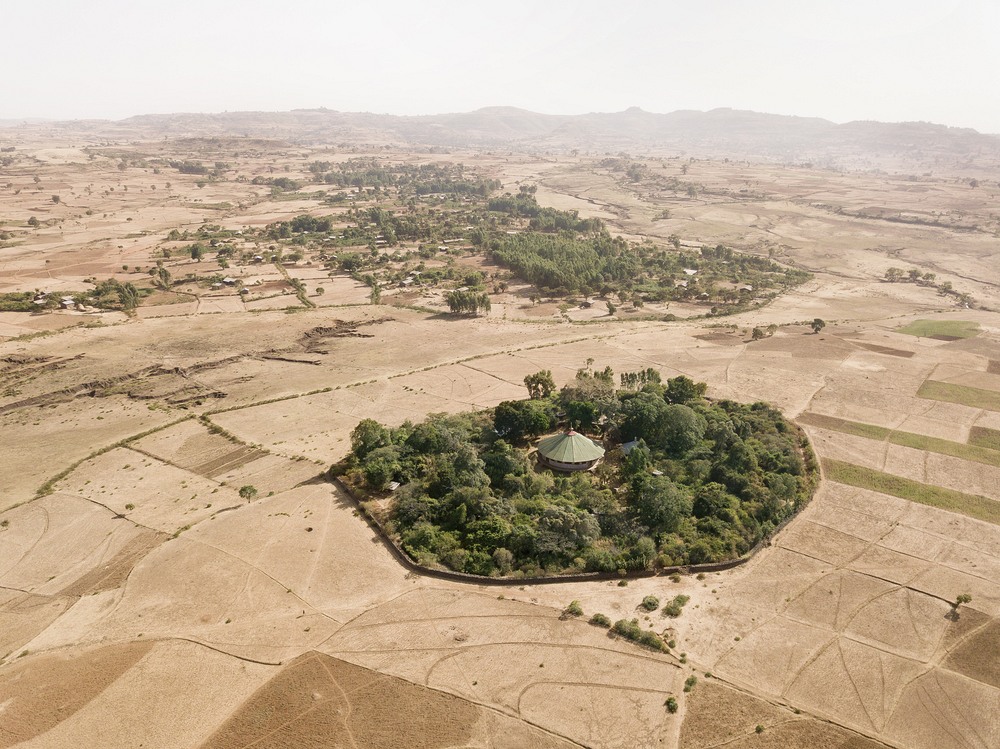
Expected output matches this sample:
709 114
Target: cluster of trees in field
369 223
23 301
109 294
913 275
189 167
193 167
409 179
564 263
525 205
702 480
557 251
468 301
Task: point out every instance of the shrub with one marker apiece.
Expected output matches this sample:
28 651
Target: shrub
630 630
676 606
650 603
600 620
690 682
574 609
652 641
671 704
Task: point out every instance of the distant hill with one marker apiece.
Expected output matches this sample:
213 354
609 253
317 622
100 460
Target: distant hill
717 133
23 121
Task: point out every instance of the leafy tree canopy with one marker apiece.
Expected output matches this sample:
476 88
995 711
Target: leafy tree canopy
702 480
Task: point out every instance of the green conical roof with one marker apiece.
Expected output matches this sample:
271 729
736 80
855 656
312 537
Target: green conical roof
570 448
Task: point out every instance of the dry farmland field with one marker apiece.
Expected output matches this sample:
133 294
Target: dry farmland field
146 601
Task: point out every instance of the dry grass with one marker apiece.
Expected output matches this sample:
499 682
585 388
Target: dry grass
980 508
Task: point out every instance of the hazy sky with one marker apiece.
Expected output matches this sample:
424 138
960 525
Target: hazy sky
890 60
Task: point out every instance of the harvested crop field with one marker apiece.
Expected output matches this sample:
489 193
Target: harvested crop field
336 704
720 716
31 689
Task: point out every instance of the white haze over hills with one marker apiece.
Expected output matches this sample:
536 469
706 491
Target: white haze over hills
843 60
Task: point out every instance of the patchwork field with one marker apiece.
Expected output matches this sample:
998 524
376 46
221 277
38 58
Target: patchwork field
177 571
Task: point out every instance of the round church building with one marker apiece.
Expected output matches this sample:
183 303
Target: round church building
569 452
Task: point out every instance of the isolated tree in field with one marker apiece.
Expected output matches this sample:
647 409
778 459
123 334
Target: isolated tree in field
56 199
540 384
248 492
197 252
757 334
33 221
375 296
817 325
162 278
894 274
962 598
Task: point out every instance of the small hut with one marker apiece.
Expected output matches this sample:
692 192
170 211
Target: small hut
569 452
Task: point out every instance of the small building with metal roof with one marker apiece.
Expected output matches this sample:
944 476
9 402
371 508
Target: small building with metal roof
570 451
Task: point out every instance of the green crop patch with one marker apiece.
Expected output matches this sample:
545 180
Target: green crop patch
835 424
984 437
971 505
961 394
986 452
947 330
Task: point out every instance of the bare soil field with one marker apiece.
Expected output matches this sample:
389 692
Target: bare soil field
318 701
144 601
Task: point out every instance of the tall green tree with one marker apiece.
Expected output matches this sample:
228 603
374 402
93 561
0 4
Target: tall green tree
367 436
540 384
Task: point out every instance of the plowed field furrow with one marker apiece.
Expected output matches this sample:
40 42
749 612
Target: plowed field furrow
227 462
